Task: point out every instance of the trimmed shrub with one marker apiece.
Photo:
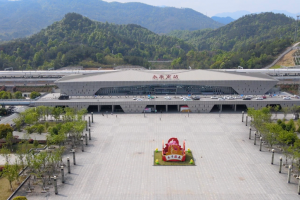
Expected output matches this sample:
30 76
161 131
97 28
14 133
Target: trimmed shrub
20 198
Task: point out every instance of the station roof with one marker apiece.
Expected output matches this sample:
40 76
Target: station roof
183 75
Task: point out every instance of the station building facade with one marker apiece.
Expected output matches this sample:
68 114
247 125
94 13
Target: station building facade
167 82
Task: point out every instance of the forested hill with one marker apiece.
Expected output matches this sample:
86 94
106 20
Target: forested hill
24 17
252 41
79 40
250 29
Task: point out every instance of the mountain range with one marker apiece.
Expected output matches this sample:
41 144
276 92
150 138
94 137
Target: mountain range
77 40
25 17
241 13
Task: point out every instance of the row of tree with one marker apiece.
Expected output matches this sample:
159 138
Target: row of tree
68 126
280 133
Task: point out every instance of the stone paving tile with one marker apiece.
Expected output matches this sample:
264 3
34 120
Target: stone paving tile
118 163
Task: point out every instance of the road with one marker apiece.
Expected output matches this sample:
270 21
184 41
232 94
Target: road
9 119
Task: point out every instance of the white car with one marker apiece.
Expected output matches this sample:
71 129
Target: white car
259 98
139 99
287 98
230 98
238 97
221 99
214 97
134 99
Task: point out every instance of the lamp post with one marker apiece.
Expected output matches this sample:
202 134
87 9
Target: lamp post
92 117
89 121
289 174
260 143
250 133
246 120
298 185
55 185
273 151
86 139
62 174
255 138
73 151
86 125
82 145
90 137
68 163
242 116
280 164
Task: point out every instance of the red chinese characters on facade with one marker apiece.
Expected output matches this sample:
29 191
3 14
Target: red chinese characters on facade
165 77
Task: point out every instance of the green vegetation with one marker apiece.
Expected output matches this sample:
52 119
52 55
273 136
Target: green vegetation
79 40
252 41
189 156
280 133
30 16
34 95
69 124
4 130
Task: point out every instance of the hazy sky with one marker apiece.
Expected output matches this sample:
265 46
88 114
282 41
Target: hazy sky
212 7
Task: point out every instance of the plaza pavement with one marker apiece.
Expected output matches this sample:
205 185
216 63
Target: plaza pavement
118 162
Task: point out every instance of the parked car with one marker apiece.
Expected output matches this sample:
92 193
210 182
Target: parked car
259 98
221 99
196 98
264 96
247 98
238 97
287 98
134 99
214 97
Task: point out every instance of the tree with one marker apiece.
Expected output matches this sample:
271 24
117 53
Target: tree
40 128
5 129
35 143
18 122
18 95
34 95
10 173
56 112
9 140
276 109
285 111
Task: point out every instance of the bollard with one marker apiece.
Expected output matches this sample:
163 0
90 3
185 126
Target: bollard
250 133
289 174
82 145
260 143
246 120
242 116
55 184
273 151
92 117
89 122
90 137
280 164
255 138
86 125
69 167
62 174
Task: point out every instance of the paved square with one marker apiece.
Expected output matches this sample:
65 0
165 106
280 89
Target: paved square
118 163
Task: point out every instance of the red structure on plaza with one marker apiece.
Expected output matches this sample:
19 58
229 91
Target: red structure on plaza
173 152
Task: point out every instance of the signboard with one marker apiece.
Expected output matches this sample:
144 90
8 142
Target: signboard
173 157
165 77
